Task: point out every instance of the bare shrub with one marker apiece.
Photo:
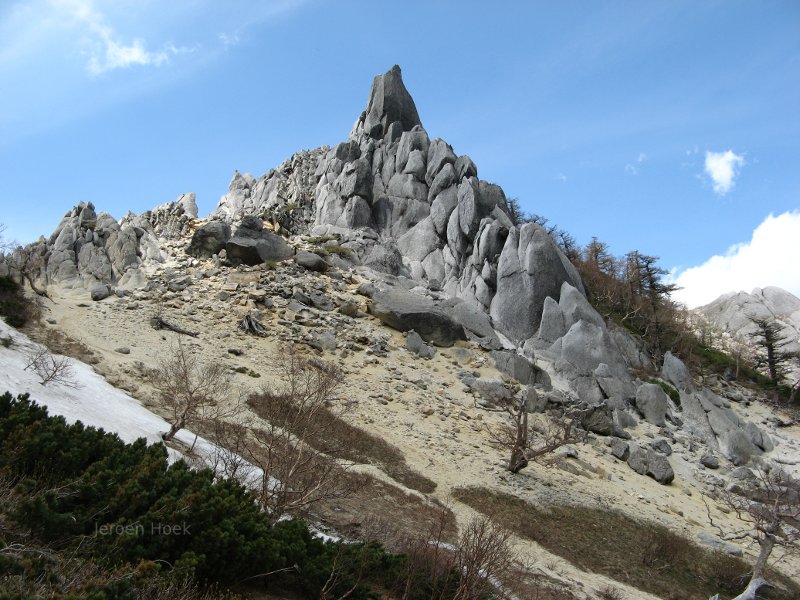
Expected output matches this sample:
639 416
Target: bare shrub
609 593
484 558
293 473
230 445
191 390
771 517
51 368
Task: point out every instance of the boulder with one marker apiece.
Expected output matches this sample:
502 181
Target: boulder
676 373
100 292
530 269
324 341
403 310
516 366
652 403
619 449
658 467
661 446
417 345
651 463
311 261
598 420
250 251
209 239
477 325
439 154
491 390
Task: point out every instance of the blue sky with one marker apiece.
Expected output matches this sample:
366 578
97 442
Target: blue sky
667 127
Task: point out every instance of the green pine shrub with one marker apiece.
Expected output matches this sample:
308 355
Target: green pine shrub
105 507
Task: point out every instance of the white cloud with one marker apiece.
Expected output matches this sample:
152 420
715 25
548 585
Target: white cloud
107 51
641 158
631 170
229 39
769 258
722 168
561 177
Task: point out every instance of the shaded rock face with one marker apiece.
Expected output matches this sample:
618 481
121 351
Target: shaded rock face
251 244
90 250
209 239
403 310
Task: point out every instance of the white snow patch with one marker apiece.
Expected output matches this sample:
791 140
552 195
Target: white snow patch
92 400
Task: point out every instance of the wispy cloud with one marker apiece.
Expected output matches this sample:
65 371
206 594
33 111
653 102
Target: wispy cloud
631 168
229 39
758 263
561 177
107 50
723 168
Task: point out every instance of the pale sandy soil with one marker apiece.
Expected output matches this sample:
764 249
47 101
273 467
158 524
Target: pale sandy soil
450 446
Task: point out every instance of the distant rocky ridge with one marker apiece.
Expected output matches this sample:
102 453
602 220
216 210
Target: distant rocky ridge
440 256
732 313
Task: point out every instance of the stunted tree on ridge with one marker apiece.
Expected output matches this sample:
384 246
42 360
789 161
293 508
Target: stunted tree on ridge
771 347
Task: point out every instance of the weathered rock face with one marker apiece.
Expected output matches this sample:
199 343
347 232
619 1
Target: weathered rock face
284 196
452 229
711 418
90 250
408 205
174 219
573 335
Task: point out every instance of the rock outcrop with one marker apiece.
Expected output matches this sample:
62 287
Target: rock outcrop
731 315
90 250
284 196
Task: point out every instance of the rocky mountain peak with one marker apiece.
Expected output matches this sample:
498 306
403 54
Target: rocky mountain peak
389 103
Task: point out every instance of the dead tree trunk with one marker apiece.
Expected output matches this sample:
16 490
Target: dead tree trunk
159 323
252 325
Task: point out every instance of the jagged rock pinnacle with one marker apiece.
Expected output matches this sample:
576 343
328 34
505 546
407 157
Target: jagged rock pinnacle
389 102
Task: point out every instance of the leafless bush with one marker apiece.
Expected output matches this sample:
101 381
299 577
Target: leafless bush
230 439
484 558
191 390
293 473
609 593
51 368
770 516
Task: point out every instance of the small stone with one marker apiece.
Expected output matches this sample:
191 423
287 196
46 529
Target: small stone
123 350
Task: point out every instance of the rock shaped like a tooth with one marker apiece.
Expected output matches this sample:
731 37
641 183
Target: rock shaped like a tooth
389 102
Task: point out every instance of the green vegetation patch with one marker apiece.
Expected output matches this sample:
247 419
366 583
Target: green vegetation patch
112 520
